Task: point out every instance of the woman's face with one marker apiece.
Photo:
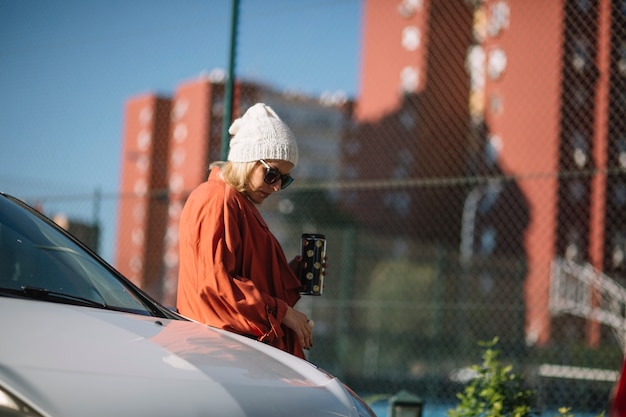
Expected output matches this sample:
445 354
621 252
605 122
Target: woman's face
257 189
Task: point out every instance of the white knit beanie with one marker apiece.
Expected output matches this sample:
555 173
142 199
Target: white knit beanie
260 134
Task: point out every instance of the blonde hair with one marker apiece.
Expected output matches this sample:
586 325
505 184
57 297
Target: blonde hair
236 174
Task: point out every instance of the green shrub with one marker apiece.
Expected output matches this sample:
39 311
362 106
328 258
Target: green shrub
495 391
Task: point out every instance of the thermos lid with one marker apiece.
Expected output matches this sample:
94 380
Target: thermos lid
313 236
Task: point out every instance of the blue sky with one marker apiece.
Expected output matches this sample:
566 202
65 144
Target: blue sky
67 67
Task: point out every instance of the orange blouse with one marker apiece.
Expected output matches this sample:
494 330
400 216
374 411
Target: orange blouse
233 272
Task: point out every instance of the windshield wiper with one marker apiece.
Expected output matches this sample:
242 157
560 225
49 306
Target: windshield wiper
55 296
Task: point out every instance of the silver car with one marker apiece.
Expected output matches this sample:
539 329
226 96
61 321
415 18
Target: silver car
78 339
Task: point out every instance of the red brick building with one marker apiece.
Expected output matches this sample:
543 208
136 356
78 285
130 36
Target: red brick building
532 87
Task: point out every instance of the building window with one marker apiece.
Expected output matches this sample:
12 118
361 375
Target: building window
580 149
411 38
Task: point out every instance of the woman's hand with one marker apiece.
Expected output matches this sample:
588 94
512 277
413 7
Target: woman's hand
296 265
301 325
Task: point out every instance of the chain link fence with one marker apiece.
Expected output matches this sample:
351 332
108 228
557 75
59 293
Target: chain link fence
444 215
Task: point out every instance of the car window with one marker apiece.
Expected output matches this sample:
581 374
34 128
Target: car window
39 259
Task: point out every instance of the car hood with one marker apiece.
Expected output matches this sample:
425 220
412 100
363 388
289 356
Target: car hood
76 361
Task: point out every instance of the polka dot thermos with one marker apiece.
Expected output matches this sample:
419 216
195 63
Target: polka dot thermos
313 254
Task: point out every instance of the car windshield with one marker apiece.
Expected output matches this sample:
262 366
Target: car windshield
38 260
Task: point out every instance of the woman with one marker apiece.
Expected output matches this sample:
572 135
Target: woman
233 272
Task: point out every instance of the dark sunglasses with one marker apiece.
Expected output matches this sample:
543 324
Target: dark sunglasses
272 175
